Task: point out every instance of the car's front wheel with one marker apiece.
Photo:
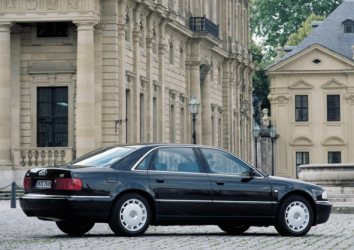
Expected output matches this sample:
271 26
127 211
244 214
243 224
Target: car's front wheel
131 215
295 216
74 228
234 229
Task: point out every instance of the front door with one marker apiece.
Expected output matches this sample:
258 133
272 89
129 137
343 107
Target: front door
235 193
182 189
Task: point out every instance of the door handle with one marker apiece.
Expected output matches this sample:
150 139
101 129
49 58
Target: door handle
160 181
220 183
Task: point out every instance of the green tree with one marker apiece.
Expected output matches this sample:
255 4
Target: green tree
306 29
275 20
260 79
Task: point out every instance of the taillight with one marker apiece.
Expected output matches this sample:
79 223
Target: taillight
27 183
67 184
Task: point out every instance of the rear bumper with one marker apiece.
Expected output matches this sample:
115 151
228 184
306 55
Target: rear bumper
71 208
324 209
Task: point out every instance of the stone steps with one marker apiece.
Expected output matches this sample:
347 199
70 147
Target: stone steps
337 195
335 200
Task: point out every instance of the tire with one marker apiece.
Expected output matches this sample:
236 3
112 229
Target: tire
295 216
74 228
130 216
235 230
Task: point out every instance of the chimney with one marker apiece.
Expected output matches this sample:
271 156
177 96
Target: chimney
315 24
288 49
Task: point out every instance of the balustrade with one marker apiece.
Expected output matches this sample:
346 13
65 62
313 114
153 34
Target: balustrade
203 24
42 157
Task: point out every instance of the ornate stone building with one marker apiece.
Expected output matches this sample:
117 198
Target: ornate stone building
312 96
80 74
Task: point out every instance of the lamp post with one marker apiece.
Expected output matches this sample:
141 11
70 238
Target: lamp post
255 132
272 132
193 106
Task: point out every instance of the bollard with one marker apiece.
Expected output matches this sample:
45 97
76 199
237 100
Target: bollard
13 195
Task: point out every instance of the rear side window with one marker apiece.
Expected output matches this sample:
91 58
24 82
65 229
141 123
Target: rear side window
144 165
102 157
223 163
176 159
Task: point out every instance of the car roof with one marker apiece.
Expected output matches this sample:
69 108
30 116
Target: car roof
142 145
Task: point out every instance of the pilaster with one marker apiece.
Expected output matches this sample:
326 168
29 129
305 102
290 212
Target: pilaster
98 83
5 95
85 95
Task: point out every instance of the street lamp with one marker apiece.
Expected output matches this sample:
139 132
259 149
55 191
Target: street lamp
273 133
193 106
255 132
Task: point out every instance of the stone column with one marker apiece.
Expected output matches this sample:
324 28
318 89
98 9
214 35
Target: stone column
162 93
5 95
227 103
149 88
98 83
16 91
136 91
206 115
195 90
85 90
122 79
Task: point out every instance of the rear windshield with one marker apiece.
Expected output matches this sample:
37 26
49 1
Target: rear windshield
102 157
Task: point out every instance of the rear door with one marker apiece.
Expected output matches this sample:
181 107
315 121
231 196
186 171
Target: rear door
181 187
235 193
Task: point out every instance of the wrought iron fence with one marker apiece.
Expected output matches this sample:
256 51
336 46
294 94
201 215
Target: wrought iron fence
203 24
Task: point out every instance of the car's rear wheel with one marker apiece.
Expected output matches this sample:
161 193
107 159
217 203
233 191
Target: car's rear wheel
74 228
131 215
295 216
234 229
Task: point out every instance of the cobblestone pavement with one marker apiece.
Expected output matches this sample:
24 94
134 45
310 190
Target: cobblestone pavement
20 232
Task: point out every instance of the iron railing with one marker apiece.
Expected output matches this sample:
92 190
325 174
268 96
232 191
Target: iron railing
203 24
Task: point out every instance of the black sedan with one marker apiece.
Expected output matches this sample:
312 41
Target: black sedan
134 186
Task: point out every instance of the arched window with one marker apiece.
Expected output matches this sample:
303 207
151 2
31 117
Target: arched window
172 54
154 37
128 33
181 56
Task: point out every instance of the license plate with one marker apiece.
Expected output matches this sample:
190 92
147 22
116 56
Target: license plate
44 184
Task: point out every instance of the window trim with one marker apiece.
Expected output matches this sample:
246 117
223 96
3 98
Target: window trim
302 152
33 93
302 108
340 152
339 107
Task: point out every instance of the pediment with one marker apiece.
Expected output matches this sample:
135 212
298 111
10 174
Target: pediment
301 84
302 141
333 141
333 84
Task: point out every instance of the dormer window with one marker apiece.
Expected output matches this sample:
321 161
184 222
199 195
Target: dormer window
348 26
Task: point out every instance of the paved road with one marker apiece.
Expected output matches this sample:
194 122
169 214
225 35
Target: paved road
20 232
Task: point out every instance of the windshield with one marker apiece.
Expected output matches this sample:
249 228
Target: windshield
101 157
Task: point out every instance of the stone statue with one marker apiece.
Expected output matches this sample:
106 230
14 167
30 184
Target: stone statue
265 118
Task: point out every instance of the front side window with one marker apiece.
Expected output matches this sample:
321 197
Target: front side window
334 157
176 159
52 117
333 108
301 108
223 163
301 158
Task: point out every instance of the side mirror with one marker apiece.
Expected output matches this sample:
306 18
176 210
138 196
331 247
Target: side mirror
253 172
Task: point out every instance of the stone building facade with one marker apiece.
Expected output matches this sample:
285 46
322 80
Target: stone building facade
312 96
77 75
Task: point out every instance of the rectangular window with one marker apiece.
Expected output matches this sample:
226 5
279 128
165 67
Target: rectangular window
155 118
333 108
334 157
142 118
128 113
301 108
52 117
301 158
219 134
348 28
183 127
172 125
52 29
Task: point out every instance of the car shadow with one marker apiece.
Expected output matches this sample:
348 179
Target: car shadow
63 236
